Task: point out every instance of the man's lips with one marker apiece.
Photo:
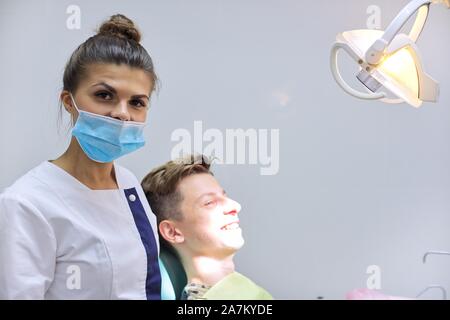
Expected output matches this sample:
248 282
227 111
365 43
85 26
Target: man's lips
231 225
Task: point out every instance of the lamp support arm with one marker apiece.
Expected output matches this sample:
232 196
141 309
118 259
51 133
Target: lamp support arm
375 53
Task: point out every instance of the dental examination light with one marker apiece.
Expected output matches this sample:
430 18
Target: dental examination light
388 60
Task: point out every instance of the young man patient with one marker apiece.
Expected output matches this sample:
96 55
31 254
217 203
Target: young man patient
200 222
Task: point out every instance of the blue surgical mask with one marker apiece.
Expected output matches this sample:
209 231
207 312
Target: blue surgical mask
104 139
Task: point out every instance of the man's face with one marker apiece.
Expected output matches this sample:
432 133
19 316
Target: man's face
210 223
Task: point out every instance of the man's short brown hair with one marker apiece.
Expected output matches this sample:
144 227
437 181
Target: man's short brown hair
161 184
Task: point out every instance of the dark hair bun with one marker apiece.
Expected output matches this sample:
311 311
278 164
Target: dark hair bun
120 26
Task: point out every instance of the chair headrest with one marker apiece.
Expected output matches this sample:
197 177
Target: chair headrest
173 275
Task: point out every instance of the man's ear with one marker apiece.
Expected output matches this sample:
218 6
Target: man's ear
170 232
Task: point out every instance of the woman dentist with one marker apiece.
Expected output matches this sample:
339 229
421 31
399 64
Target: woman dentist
79 227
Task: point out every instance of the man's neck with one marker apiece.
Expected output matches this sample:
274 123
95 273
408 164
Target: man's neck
207 270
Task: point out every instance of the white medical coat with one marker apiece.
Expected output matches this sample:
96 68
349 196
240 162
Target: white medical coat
61 240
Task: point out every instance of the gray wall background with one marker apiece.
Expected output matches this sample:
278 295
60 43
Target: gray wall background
360 183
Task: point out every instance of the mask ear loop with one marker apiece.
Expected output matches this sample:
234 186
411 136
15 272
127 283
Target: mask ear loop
72 119
74 103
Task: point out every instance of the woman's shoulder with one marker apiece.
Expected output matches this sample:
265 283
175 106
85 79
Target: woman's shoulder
21 205
124 172
23 182
31 185
126 177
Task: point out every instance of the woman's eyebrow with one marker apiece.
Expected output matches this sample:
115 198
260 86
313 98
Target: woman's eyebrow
107 86
110 88
140 96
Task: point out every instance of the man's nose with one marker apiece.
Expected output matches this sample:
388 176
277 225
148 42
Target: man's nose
232 207
120 111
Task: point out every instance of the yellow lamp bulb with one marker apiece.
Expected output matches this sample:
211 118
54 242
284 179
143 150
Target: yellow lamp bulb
401 67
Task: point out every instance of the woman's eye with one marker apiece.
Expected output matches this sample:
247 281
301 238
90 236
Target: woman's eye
104 95
137 103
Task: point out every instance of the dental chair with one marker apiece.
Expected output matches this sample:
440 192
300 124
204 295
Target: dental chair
173 276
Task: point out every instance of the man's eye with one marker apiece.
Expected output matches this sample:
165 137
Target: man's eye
209 203
104 95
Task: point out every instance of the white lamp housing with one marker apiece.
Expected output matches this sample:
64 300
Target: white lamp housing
389 60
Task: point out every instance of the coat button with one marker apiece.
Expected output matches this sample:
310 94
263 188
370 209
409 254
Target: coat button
132 197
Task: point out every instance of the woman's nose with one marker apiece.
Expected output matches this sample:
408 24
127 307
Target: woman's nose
232 207
121 112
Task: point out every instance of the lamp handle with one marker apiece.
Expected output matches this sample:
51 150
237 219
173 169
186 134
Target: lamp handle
341 82
392 100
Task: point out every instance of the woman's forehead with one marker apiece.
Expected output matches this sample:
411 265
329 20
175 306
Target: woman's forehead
119 77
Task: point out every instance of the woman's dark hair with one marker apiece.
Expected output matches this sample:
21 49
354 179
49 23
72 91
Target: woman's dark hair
116 42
